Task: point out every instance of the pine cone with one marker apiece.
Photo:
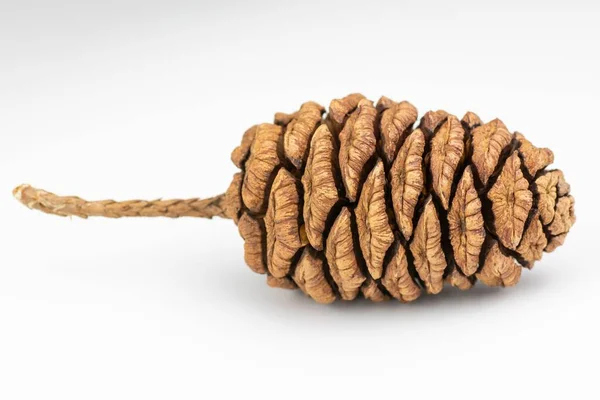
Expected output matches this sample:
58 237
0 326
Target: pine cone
358 201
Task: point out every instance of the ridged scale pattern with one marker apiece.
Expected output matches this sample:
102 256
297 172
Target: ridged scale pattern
367 201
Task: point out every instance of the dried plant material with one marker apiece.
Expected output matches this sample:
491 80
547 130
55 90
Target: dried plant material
562 187
499 269
397 279
488 142
396 123
69 206
283 119
447 147
432 120
511 202
471 120
233 198
320 191
564 216
535 159
299 131
261 164
426 249
458 280
387 211
310 278
534 241
252 233
406 180
240 153
339 109
550 186
357 146
375 233
555 242
465 221
280 283
372 292
341 257
284 236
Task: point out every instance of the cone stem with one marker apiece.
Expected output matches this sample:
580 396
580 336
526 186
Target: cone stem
74 206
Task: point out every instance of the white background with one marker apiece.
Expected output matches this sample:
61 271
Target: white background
147 99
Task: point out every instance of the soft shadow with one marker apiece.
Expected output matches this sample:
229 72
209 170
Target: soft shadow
228 279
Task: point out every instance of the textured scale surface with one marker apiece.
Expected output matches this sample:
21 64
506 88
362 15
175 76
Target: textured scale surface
367 200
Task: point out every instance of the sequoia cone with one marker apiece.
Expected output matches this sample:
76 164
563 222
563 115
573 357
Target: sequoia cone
360 201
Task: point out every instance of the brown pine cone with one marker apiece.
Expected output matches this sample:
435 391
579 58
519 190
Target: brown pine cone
360 201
